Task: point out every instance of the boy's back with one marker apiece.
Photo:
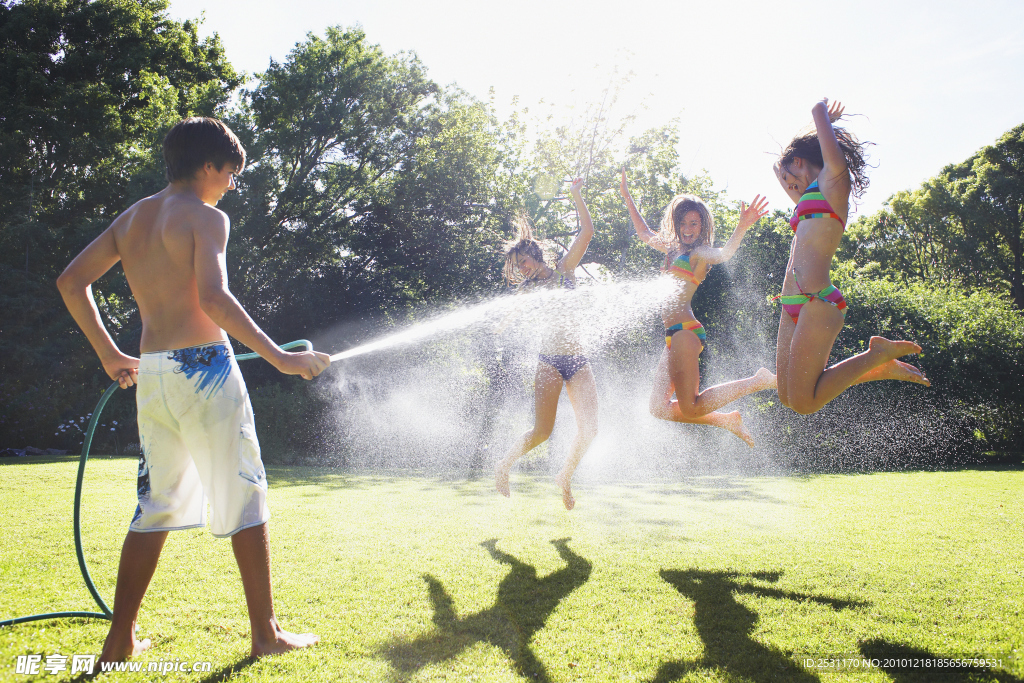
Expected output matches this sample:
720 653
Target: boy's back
157 242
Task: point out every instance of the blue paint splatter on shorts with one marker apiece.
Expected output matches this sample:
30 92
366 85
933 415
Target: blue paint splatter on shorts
142 485
210 364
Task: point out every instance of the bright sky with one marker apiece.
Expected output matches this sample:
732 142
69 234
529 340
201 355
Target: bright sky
935 80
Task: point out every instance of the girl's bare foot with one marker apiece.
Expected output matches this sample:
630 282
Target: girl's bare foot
120 651
734 423
283 641
765 379
501 479
898 370
890 350
563 482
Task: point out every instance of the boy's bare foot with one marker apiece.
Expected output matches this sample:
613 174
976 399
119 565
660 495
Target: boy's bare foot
765 379
898 370
501 479
890 350
734 423
116 650
283 641
563 483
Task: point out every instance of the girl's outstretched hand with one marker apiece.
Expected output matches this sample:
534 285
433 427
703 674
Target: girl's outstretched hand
835 110
757 210
624 186
576 187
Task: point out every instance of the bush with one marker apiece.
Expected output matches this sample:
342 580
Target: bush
292 420
972 350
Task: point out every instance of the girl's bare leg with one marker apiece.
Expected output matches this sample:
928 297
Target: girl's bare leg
678 368
662 390
712 398
547 386
782 348
582 392
810 385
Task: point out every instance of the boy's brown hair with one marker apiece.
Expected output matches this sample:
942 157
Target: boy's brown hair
197 140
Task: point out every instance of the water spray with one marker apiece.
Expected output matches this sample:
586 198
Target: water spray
453 321
607 303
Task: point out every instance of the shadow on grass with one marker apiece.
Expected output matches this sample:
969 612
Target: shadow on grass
329 478
908 664
462 482
523 605
226 673
340 478
725 626
809 474
69 458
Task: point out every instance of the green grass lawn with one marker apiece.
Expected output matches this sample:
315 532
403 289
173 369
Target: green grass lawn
415 578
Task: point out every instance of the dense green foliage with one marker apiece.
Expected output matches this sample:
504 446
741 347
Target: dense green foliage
973 351
373 194
368 186
87 90
964 226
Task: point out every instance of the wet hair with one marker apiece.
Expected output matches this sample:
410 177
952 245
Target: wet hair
524 244
807 147
199 140
672 220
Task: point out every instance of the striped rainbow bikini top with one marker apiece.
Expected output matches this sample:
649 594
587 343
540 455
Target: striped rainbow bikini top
681 268
813 205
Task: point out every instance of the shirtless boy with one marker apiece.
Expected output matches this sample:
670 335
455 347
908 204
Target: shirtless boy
195 419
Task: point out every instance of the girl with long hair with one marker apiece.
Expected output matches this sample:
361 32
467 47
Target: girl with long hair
561 361
686 238
819 171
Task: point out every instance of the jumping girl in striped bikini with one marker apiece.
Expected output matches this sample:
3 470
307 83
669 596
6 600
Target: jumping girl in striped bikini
686 238
562 361
819 171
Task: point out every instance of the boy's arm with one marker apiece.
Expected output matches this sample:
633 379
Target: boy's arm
75 285
217 301
639 224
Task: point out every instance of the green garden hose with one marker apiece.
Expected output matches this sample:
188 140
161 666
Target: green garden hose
86 443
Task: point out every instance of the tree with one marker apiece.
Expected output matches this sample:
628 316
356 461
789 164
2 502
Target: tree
87 90
367 188
965 226
990 188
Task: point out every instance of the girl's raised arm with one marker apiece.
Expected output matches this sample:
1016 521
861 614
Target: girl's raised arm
579 244
831 153
748 216
639 224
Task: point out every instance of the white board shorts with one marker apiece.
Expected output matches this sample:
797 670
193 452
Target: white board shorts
198 442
